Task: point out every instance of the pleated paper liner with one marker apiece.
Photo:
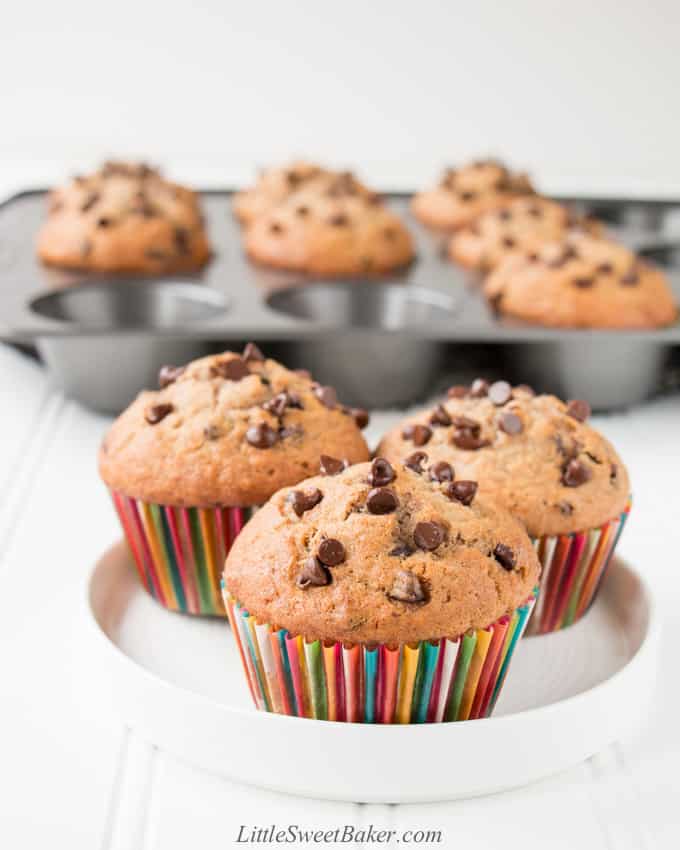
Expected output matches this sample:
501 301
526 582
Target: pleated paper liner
427 682
574 566
179 552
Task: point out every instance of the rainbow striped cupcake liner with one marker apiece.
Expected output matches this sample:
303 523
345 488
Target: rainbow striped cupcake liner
573 568
427 682
179 552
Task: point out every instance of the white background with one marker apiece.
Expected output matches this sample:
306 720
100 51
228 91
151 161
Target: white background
582 93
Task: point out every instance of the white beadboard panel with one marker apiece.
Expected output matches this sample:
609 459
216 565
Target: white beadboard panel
191 808
59 742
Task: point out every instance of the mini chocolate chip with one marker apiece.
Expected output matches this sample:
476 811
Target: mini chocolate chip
630 278
429 535
440 416
458 391
605 268
181 237
277 405
390 234
505 556
509 242
613 473
331 465
360 416
265 381
419 434
461 491
466 196
575 473
275 228
401 550
304 500
261 436
338 220
415 461
331 552
535 212
505 215
510 423
231 370
212 432
500 393
583 282
407 588
104 222
381 500
169 374
479 388
578 409
381 473
327 396
91 199
157 412
467 424
441 471
565 508
468 440
252 353
302 211
312 574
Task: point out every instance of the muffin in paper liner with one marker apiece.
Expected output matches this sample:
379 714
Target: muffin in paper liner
573 569
424 682
179 551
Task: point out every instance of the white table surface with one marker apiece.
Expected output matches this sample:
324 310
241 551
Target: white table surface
72 776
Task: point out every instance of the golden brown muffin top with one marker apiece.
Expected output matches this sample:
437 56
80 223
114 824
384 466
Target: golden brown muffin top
381 553
533 454
124 217
465 193
524 224
582 282
229 430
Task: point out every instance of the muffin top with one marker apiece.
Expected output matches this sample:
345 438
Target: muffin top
227 430
275 185
381 553
334 232
124 218
524 224
534 454
582 281
465 193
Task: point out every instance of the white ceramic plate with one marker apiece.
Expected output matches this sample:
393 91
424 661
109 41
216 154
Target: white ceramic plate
178 682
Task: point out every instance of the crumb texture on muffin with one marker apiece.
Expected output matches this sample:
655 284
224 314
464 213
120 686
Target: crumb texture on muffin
381 553
534 454
227 430
582 282
465 193
124 218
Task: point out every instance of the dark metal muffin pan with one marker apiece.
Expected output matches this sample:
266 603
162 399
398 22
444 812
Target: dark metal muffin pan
380 342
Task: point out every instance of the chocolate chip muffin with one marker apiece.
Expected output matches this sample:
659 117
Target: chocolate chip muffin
373 557
273 186
582 282
189 462
337 232
124 218
541 460
524 224
465 193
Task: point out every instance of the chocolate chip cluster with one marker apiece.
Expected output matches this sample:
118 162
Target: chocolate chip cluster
381 499
259 435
